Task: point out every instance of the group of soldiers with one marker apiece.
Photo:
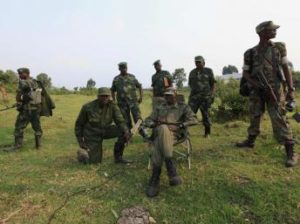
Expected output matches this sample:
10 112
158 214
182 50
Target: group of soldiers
109 116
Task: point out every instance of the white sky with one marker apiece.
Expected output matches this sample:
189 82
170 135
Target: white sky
73 40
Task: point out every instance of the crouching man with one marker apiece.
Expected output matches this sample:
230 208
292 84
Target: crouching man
94 124
167 120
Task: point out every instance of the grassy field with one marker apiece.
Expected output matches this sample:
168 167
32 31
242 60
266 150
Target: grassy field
225 185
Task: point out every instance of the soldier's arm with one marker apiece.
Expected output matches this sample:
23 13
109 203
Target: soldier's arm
189 117
247 69
190 79
213 83
113 90
139 86
151 120
79 124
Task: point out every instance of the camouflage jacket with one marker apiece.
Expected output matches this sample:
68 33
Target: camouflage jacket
126 87
180 113
267 60
93 119
160 81
201 82
29 94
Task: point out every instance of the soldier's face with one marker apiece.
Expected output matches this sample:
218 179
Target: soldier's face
157 67
23 75
269 33
199 64
170 99
103 99
123 69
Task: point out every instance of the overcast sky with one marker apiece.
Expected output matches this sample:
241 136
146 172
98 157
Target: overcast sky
74 40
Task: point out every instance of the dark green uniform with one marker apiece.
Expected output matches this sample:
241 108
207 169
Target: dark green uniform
94 124
165 135
267 60
160 82
29 99
126 87
201 83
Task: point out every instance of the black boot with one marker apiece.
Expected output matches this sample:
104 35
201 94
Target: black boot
248 143
153 187
174 178
143 133
18 144
292 156
37 141
118 153
207 131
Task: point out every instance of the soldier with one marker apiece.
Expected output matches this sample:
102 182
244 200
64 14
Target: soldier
94 124
126 85
29 103
167 120
262 70
161 80
202 84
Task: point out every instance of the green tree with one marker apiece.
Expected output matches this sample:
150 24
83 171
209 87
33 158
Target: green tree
90 84
8 77
44 79
179 77
230 69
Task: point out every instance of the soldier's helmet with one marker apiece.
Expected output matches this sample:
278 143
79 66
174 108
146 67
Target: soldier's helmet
104 91
83 156
266 25
23 70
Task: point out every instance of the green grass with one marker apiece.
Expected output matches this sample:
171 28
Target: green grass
225 185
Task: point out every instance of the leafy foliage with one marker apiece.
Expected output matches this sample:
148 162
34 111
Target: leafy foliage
230 69
179 77
45 79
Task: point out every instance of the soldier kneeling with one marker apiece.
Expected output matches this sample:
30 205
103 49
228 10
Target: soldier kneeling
94 124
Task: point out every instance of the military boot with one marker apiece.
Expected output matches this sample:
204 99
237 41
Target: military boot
174 178
118 153
206 131
292 156
18 144
248 143
37 141
153 187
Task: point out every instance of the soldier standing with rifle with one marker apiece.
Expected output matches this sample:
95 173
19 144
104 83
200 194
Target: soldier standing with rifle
262 70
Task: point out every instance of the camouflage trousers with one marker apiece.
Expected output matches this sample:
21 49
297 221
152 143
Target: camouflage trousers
130 108
94 143
258 104
162 147
24 118
203 104
156 101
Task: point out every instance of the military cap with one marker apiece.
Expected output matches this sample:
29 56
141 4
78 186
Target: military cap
23 70
170 91
157 62
104 91
199 58
83 156
122 64
266 25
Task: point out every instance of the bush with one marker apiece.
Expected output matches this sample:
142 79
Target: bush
231 104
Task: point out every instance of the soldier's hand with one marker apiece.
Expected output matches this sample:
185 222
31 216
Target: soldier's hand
127 136
290 96
25 98
82 144
182 126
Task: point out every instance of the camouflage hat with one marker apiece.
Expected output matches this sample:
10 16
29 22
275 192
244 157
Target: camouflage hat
157 62
266 25
199 58
83 156
23 70
170 91
122 64
104 91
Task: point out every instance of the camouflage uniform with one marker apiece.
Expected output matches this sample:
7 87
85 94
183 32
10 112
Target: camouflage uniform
29 107
268 61
94 124
165 135
126 87
160 82
201 83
